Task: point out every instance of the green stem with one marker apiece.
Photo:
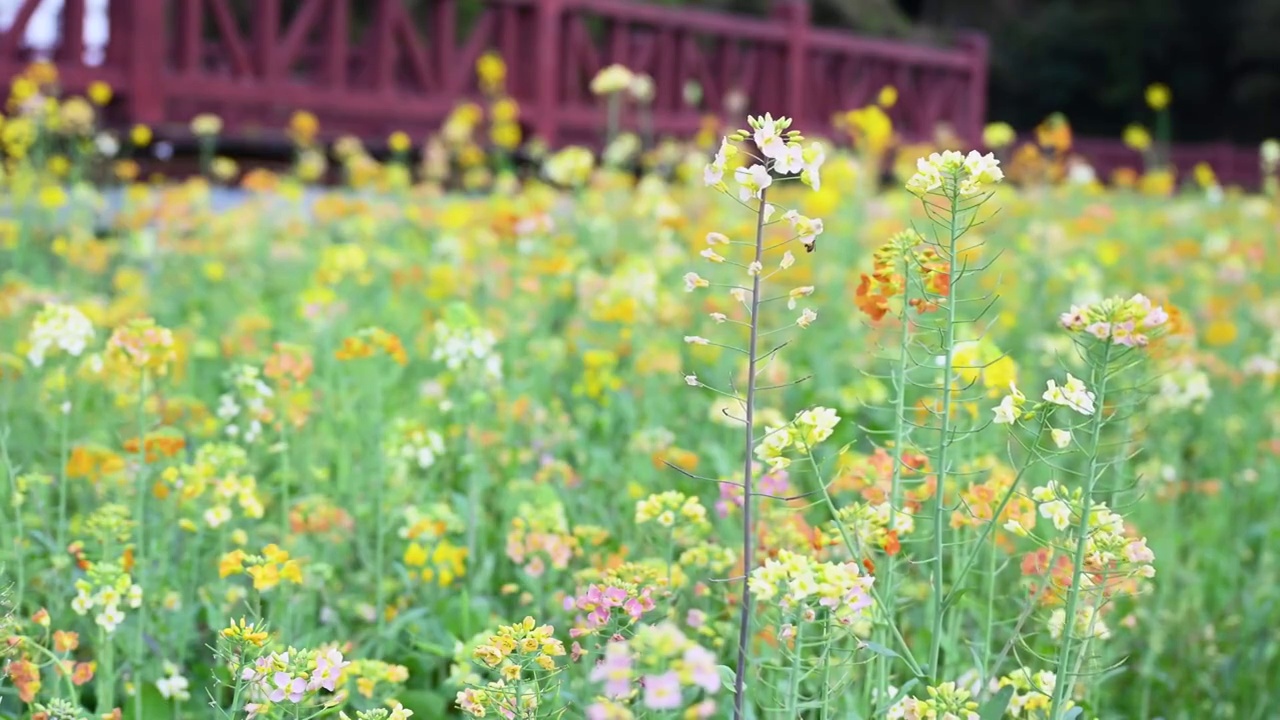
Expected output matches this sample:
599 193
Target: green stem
855 552
944 431
748 539
64 450
140 559
899 437
379 491
1099 376
106 684
793 689
19 538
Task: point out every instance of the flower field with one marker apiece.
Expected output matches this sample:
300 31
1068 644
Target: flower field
739 434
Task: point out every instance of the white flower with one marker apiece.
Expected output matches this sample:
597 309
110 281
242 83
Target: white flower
1073 395
691 380
719 317
696 340
1015 527
753 181
816 425
1006 412
806 318
791 161
693 281
217 515
755 268
813 157
58 326
787 260
983 169
110 618
768 136
1061 438
712 174
715 238
926 179
173 687
1057 511
82 603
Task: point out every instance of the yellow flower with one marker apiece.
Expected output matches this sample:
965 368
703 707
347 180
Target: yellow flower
415 555
1158 96
52 197
399 142
140 135
99 93
998 135
888 96
1137 137
206 125
504 110
491 70
303 127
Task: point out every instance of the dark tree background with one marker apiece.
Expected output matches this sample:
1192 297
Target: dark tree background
1093 58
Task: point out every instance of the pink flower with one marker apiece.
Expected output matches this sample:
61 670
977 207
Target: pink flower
1156 317
615 670
662 692
1100 330
287 686
701 665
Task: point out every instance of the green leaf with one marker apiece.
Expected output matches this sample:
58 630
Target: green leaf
994 708
426 703
879 649
728 678
154 705
1073 713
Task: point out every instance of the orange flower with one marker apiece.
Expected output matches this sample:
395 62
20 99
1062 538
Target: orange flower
83 673
65 641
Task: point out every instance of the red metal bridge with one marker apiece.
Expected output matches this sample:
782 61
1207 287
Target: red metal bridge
369 67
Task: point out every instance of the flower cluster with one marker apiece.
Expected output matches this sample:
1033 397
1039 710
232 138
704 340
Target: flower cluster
467 346
1032 693
411 444
292 677
606 609
802 586
367 342
944 702
683 515
143 345
267 570
539 537
954 175
106 589
783 154
659 669
58 327
876 525
1182 387
570 167
1128 322
1073 395
886 281
808 429
244 408
524 654
1109 550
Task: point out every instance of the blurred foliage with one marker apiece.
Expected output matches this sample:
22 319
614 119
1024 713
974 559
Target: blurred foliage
1092 58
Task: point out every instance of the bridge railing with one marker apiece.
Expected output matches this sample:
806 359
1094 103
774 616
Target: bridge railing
369 67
